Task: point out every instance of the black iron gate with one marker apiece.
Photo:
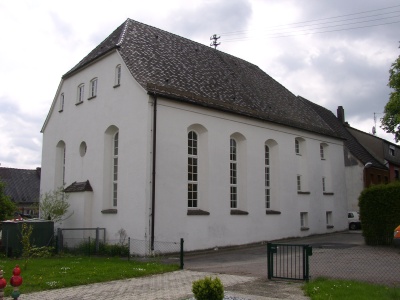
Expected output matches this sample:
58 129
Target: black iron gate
287 261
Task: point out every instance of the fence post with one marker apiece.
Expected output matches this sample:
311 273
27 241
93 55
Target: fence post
60 239
89 246
7 243
97 239
181 256
269 261
129 248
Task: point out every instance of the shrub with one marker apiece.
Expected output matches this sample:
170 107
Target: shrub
380 213
208 289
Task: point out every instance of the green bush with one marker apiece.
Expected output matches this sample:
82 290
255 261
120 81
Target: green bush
208 289
380 213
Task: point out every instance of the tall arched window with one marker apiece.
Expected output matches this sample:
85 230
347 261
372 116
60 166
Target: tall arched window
117 76
115 169
233 173
267 179
60 164
192 170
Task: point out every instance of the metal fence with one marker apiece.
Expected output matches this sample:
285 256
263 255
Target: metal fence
287 261
373 264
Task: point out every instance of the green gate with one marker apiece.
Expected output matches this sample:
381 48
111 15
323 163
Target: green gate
287 261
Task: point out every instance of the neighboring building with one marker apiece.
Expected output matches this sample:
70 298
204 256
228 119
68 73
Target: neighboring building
386 152
23 188
167 139
362 167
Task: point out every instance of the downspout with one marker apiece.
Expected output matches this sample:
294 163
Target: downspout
153 182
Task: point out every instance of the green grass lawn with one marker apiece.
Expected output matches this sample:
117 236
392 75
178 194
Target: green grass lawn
52 273
328 289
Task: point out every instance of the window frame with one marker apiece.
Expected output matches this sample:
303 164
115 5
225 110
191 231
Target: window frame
267 177
114 178
61 104
297 147
298 181
93 88
329 219
304 220
233 173
193 170
81 93
118 73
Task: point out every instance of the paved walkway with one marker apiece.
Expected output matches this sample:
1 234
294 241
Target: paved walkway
175 286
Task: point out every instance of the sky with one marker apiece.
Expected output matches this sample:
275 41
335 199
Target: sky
330 52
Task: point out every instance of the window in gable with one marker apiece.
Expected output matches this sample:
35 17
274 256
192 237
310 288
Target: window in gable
61 104
93 88
192 170
391 150
323 184
81 92
321 151
117 82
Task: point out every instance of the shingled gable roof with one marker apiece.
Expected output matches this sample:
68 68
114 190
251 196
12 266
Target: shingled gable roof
174 67
350 141
21 185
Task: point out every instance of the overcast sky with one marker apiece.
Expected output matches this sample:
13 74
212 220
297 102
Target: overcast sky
330 52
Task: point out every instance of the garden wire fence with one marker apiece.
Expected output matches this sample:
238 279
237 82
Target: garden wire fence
373 264
96 243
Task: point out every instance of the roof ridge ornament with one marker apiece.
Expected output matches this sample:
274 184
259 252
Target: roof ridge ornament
214 39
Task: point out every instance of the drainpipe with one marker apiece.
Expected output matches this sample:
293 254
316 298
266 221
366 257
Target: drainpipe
153 182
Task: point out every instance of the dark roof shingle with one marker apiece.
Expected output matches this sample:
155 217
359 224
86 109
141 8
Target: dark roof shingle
21 185
175 67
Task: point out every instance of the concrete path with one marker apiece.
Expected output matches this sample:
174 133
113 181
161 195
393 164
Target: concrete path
175 286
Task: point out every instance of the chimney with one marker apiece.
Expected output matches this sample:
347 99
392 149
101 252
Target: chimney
340 114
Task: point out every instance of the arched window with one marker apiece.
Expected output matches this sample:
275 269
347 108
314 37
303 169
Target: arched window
60 164
93 88
192 170
267 179
61 106
233 173
115 170
117 76
81 93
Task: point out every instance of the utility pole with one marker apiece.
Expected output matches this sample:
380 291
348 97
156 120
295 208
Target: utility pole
214 38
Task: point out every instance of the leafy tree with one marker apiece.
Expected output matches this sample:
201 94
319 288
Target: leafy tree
391 119
53 205
8 208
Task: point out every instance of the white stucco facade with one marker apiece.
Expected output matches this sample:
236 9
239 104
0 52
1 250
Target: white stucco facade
128 110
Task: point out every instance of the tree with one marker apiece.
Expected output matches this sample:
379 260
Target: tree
8 208
391 119
53 205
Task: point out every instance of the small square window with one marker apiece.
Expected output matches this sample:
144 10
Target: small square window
329 218
304 220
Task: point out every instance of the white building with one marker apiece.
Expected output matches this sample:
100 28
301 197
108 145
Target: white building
167 139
